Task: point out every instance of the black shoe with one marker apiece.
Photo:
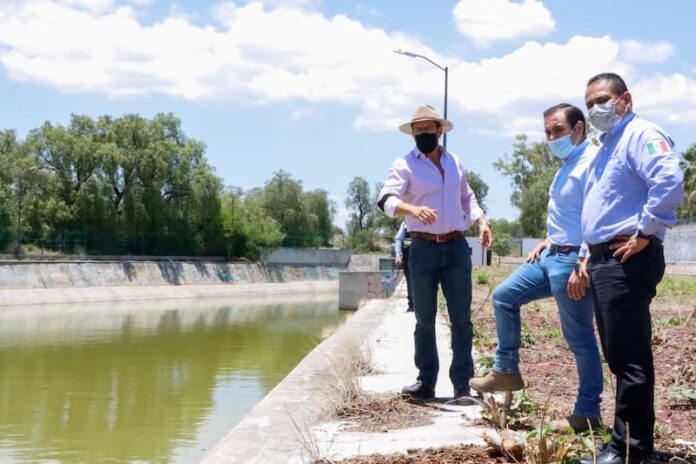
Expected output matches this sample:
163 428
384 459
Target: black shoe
419 391
463 397
610 456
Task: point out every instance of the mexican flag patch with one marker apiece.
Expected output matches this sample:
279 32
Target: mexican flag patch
658 146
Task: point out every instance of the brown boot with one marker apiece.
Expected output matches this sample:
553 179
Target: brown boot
497 382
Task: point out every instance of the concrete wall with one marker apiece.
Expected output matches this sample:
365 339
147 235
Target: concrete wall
358 287
679 244
309 256
19 275
364 262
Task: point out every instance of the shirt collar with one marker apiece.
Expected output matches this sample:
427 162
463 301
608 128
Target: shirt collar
616 131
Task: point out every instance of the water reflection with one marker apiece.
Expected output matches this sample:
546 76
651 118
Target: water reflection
142 382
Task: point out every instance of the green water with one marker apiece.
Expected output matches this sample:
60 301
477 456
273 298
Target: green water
144 382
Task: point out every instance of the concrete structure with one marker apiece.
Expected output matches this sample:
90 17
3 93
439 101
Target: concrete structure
357 287
364 262
46 282
679 244
76 274
309 256
478 253
33 296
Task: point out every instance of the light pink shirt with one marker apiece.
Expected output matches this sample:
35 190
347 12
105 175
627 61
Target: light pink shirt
416 180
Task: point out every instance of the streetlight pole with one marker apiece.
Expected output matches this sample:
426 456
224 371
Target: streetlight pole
442 68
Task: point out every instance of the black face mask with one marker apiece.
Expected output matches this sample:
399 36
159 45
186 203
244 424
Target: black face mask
426 142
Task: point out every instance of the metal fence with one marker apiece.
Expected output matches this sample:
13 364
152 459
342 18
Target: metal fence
89 243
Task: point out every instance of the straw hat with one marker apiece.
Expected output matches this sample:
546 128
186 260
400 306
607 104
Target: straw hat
425 113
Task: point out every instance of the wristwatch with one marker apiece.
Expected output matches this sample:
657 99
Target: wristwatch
640 234
576 268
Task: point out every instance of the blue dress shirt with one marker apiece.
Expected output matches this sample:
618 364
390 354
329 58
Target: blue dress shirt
635 183
566 196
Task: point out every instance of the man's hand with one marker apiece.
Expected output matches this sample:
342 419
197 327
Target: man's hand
485 234
536 252
398 260
579 281
424 214
631 246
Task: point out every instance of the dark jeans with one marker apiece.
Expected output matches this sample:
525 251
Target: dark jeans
448 264
622 295
407 274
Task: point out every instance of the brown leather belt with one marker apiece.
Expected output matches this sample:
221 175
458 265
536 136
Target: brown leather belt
439 238
563 248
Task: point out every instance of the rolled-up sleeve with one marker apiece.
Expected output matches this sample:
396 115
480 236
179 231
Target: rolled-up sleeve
470 206
394 187
658 166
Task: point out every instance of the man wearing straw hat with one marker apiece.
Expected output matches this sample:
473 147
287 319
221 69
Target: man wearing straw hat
429 187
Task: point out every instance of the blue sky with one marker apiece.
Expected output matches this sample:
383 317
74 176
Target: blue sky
312 86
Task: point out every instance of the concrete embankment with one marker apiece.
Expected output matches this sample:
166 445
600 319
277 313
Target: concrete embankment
284 271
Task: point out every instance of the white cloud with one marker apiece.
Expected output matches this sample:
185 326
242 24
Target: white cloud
633 51
95 6
111 53
486 21
666 98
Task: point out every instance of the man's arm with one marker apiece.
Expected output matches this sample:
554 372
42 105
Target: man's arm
471 208
393 189
656 163
658 166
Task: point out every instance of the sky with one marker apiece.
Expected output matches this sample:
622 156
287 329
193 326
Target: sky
313 87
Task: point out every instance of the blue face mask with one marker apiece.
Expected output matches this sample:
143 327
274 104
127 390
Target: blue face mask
562 147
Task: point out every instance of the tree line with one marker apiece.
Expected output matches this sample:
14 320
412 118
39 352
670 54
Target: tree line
132 185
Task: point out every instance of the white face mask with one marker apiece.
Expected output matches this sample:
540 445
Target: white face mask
603 115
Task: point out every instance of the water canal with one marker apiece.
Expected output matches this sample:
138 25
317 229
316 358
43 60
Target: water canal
144 382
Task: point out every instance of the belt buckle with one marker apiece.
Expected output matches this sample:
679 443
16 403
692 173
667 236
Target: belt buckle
441 240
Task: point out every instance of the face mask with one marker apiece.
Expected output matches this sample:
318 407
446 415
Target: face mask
603 115
562 147
426 142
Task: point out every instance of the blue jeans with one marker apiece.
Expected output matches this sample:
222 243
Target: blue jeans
448 264
545 277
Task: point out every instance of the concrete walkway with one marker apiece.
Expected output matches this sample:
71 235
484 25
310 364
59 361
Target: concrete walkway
268 434
392 351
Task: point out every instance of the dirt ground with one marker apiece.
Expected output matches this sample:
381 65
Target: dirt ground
549 368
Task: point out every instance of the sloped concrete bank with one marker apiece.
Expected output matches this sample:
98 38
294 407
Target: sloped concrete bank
84 281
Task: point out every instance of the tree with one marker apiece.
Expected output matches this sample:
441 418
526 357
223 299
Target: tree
501 245
688 208
360 204
248 228
320 212
503 226
532 169
479 187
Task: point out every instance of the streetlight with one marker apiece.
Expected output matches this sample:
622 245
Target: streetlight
416 55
